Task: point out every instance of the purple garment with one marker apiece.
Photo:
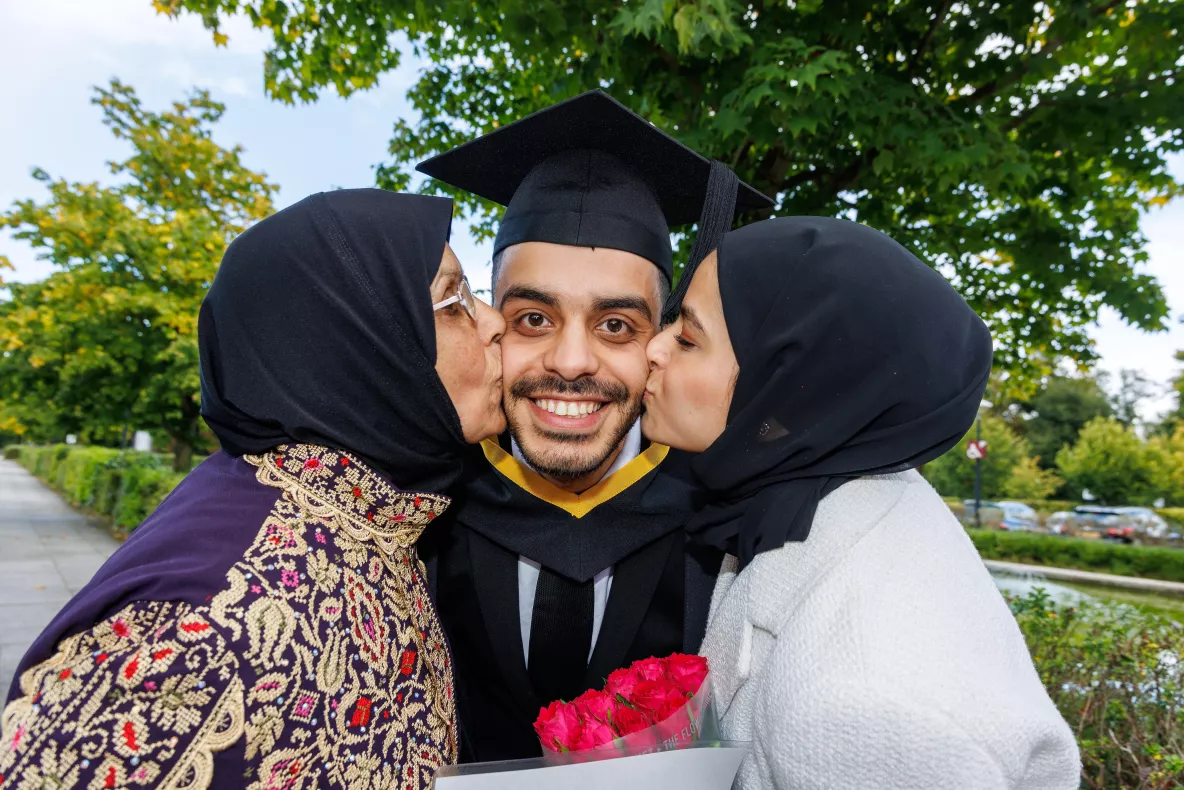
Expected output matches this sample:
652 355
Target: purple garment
213 514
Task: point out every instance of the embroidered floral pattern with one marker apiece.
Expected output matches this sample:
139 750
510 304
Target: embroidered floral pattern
142 700
323 652
337 486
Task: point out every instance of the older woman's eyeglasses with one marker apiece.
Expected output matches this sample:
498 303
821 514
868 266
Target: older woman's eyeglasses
464 295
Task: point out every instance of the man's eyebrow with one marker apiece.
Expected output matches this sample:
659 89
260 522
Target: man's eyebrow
530 294
688 315
603 304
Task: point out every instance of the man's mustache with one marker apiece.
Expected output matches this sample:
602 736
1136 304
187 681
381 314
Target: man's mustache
613 392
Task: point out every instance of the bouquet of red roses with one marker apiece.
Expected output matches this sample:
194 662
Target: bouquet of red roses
656 704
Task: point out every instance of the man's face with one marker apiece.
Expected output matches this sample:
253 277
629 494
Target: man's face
573 356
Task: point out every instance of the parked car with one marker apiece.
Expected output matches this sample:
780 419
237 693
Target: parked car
1063 522
1147 521
1004 515
1068 524
1115 523
991 515
1019 511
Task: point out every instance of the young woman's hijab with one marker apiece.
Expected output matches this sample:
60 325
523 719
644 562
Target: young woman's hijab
855 359
318 329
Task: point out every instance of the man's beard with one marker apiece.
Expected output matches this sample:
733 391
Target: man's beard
571 467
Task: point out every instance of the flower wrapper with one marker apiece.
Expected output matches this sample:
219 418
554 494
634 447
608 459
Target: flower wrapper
643 709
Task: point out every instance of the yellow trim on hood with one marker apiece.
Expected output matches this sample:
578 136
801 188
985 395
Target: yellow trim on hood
578 505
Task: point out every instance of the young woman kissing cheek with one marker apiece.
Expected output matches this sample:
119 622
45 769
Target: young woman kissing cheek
693 370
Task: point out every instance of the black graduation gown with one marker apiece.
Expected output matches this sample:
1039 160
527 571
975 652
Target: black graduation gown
632 522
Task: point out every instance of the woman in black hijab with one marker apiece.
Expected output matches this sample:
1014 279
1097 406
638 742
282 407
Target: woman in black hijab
855 637
269 625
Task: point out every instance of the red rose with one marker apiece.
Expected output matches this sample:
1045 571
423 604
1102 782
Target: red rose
546 714
621 682
649 669
558 726
686 672
659 698
627 719
595 711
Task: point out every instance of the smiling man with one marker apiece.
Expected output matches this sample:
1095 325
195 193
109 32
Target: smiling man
581 319
563 557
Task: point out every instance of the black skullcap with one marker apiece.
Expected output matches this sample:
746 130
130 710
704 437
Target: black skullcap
589 172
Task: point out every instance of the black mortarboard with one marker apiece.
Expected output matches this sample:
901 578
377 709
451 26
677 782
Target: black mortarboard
589 172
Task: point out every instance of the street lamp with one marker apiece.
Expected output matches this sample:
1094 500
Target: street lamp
978 452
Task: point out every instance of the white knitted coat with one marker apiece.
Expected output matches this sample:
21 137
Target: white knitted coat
878 654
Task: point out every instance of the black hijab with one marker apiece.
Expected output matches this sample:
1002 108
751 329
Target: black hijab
855 359
318 328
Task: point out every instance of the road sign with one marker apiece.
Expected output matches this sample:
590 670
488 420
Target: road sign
976 450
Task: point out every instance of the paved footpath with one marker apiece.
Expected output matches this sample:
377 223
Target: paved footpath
48 552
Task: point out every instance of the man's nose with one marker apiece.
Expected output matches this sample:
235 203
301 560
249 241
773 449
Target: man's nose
572 356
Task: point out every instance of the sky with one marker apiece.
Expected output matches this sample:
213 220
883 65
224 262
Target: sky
53 51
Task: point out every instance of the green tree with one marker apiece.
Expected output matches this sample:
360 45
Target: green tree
1167 474
1009 471
1028 480
110 338
1110 461
1173 419
1052 417
1012 145
1131 391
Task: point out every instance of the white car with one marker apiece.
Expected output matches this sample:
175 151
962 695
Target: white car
1146 521
1019 510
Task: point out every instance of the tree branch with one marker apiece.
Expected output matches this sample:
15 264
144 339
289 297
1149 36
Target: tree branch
740 151
667 58
938 19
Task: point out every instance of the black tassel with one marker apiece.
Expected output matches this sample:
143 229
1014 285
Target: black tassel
719 209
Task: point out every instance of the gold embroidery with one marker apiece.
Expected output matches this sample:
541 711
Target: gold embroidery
220 731
153 686
337 486
352 684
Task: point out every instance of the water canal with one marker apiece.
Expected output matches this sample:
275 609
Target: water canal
1074 592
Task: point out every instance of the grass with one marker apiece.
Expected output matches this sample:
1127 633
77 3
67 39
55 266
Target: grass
1163 605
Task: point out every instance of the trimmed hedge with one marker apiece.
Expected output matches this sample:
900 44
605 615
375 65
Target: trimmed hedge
1083 555
12 452
124 486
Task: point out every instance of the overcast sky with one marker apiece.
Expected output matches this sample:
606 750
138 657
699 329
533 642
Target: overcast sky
53 51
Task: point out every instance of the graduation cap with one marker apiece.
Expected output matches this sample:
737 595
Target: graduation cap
589 172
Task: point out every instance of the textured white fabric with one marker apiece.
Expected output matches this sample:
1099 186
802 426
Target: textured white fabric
528 569
879 654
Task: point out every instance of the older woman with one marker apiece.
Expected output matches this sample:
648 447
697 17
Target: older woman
269 625
855 637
